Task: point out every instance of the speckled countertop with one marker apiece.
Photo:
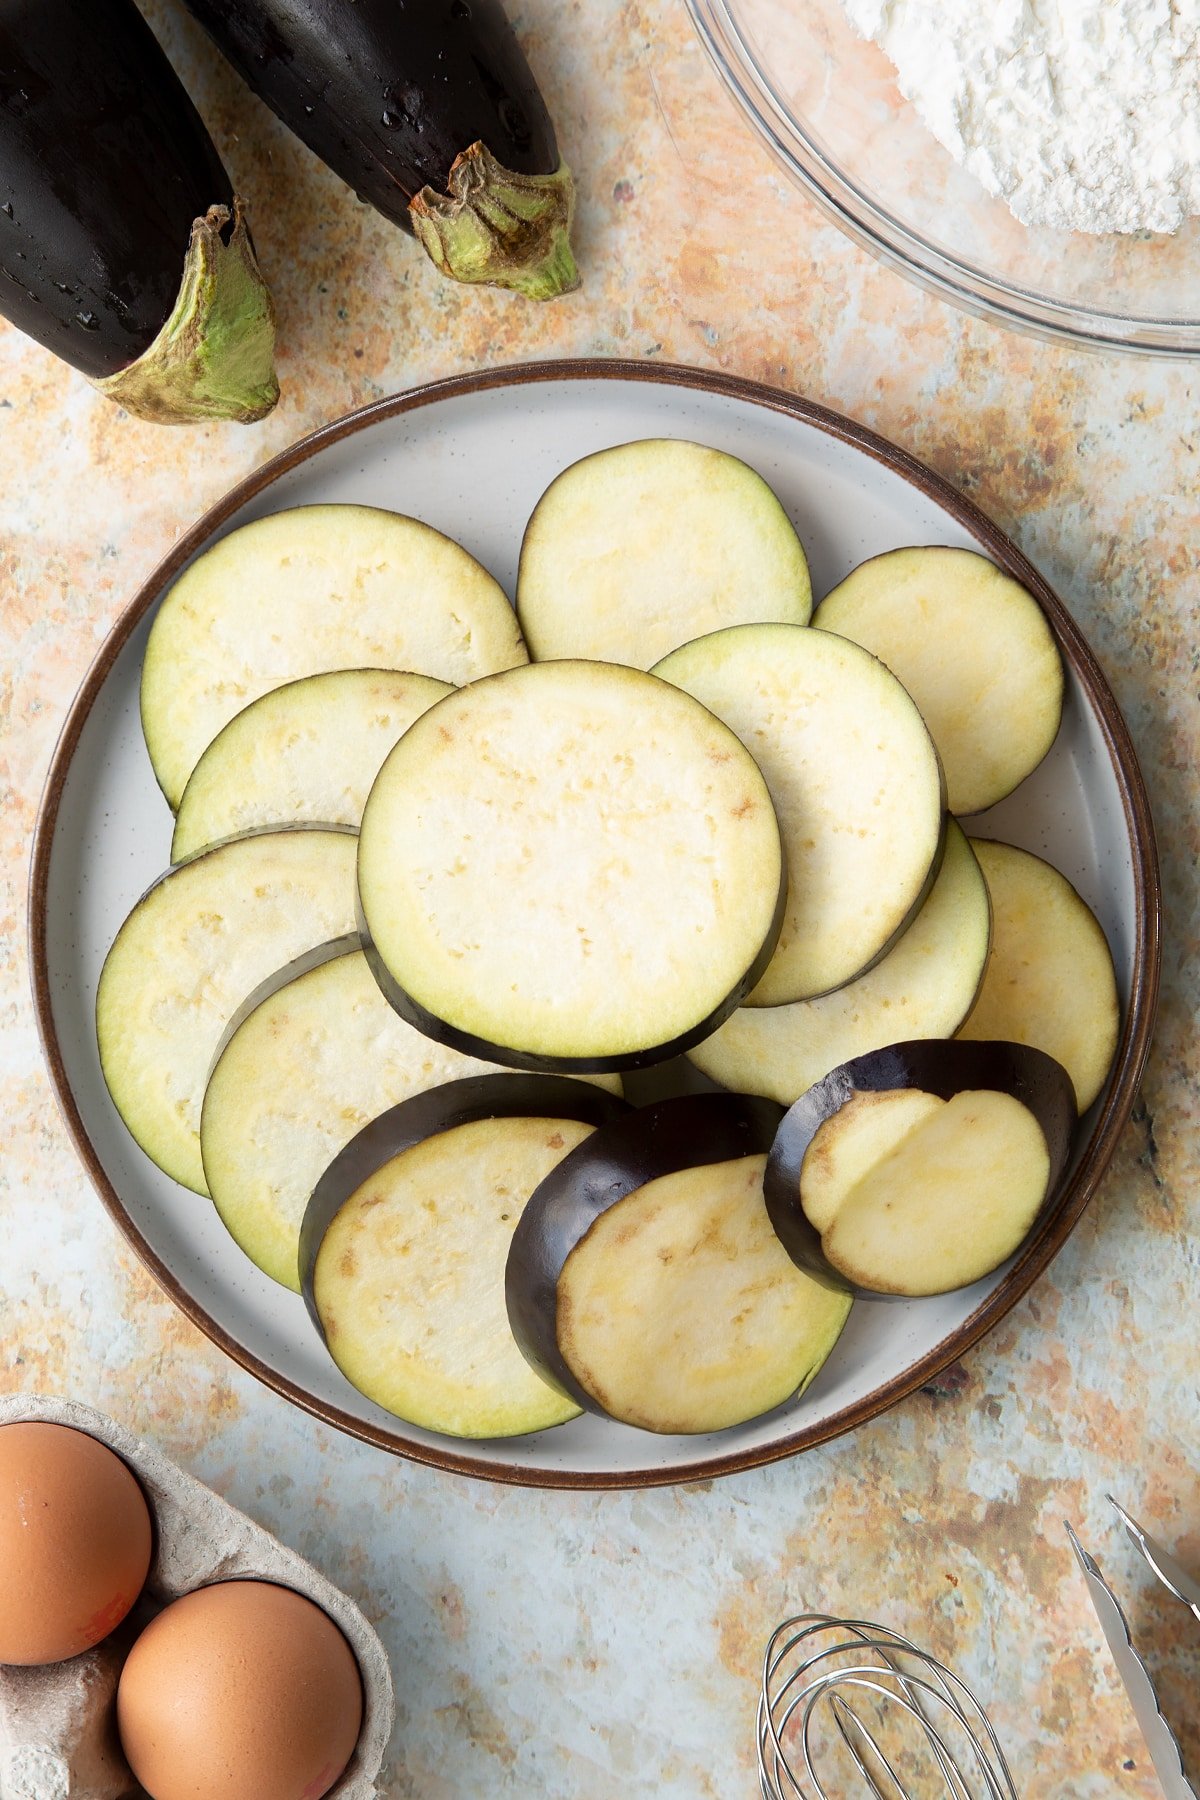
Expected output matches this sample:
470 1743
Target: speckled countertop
576 1645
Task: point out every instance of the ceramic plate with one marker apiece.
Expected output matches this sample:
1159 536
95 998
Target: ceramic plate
471 456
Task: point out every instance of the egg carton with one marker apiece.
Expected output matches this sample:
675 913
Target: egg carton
58 1734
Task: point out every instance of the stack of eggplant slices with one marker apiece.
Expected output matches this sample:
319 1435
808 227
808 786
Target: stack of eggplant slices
580 1005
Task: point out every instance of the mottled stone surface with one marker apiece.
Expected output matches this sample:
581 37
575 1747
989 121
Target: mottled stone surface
583 1645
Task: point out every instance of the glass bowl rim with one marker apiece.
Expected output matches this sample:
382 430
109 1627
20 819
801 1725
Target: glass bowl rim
895 244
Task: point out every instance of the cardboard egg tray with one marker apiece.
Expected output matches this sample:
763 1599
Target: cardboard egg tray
58 1734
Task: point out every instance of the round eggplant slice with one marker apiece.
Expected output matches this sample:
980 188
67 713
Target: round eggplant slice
569 866
1049 980
923 988
921 1167
638 549
645 1280
310 1060
206 935
306 752
856 784
404 1244
303 591
975 651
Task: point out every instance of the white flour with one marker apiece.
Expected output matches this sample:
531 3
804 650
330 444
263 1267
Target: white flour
1083 114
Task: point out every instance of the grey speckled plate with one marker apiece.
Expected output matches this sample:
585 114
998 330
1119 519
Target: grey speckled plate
471 456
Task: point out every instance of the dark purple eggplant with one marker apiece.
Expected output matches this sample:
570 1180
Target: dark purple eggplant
122 246
937 1067
430 112
685 1132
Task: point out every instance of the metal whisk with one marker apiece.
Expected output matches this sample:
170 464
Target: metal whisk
842 1696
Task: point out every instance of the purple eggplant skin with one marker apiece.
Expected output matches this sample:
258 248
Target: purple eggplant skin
941 1066
681 1133
427 1115
392 95
104 166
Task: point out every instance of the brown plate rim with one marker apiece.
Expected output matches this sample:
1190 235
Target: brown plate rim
1136 1036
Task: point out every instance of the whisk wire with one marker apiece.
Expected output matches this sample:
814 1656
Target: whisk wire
850 1725
908 1703
816 1663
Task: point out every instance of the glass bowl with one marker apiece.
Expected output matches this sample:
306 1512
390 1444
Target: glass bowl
826 103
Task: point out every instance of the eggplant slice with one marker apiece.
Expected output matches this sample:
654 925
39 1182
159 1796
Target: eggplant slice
123 248
571 866
430 112
307 1064
856 784
921 1167
640 548
204 937
1049 980
645 1279
405 1241
304 591
305 753
925 987
975 651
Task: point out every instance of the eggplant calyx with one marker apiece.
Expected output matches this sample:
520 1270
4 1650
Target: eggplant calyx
215 356
500 228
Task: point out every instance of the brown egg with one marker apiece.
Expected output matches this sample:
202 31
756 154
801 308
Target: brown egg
240 1691
75 1542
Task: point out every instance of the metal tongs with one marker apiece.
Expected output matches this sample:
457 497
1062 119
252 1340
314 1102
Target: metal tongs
1161 1741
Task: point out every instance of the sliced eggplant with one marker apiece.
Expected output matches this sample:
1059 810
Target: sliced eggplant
306 752
645 1280
570 866
1049 980
405 1240
856 784
638 549
304 591
315 1056
975 651
122 246
204 937
430 112
921 1167
925 987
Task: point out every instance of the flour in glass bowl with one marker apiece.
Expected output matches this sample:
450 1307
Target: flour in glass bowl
1081 114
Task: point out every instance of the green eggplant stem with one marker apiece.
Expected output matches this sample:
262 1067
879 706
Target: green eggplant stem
215 356
500 228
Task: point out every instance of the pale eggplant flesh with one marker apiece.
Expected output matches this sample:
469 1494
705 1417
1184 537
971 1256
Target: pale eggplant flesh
637 549
359 588
855 781
975 651
312 1057
935 1068
305 752
569 866
925 987
425 1115
405 1242
208 933
1049 979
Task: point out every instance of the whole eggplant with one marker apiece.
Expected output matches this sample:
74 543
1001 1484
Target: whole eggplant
429 110
122 247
